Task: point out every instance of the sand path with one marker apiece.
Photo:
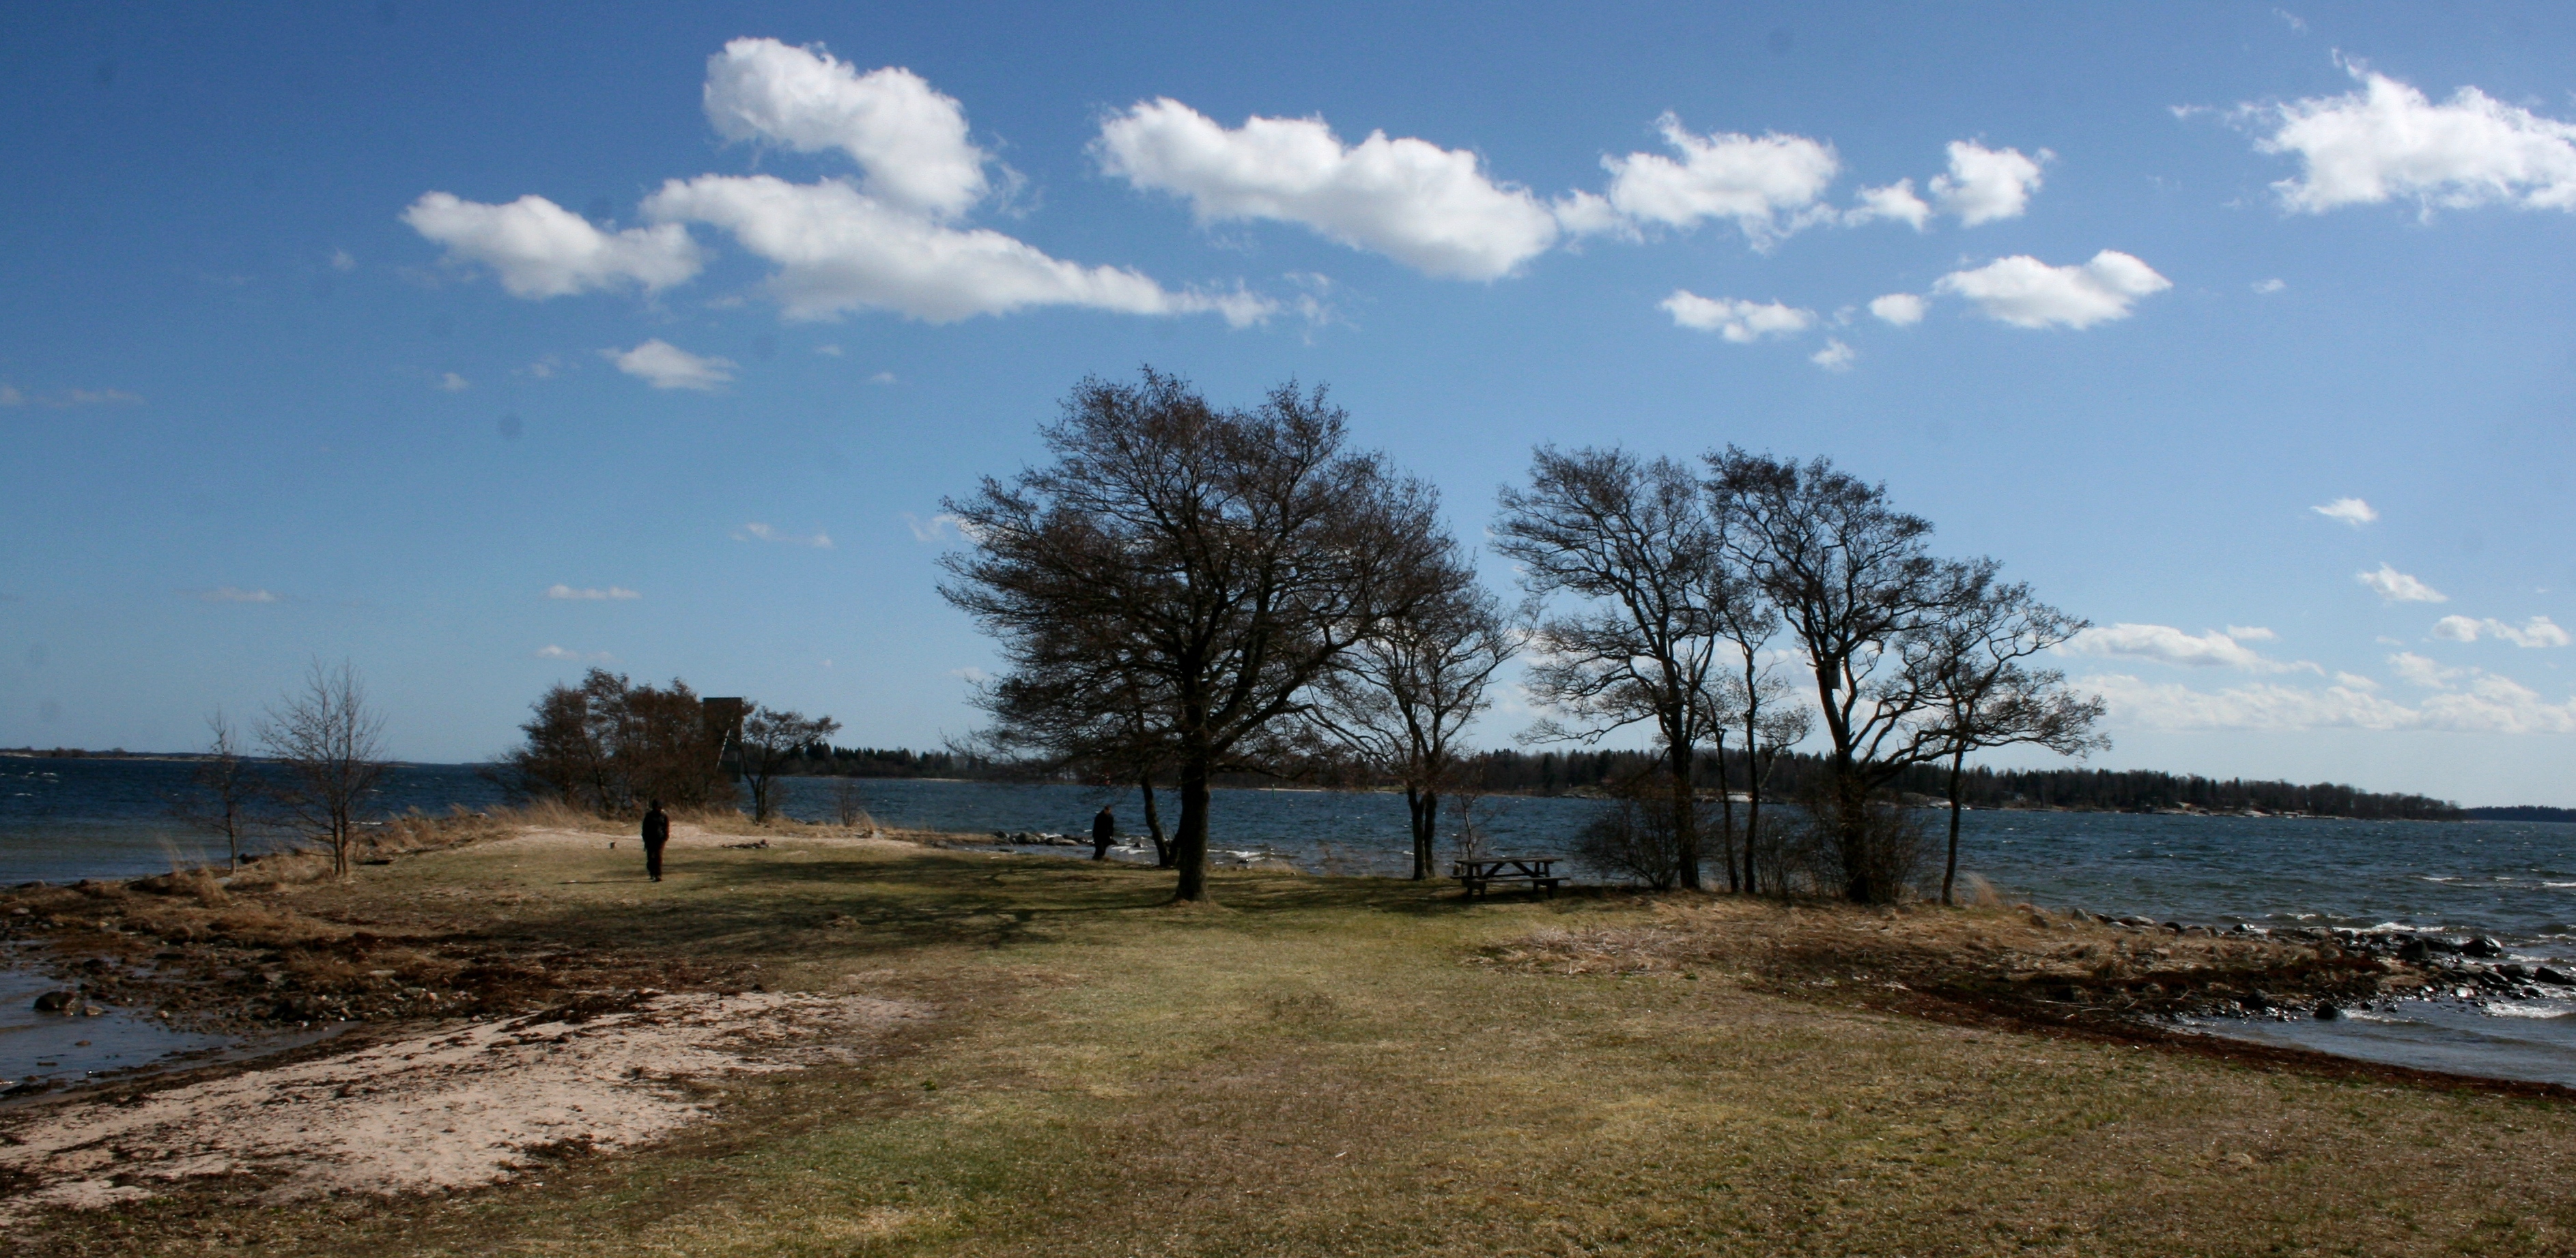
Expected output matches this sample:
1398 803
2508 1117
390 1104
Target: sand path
461 1106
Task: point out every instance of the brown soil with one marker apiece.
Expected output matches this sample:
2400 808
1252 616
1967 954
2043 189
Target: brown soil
2019 967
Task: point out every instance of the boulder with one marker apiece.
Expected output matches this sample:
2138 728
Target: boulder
2548 975
2327 1012
2482 947
58 1002
2415 949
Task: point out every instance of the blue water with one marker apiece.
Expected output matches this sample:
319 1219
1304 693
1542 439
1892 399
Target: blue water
67 819
2514 881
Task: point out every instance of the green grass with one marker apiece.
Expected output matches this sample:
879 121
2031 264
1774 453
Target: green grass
1317 1067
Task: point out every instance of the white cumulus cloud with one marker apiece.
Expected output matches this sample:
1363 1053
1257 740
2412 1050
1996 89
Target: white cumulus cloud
586 594
1835 356
2352 511
758 532
2251 633
2539 631
666 366
1985 184
2028 293
1901 309
886 240
1740 321
838 249
1766 185
909 139
540 249
2387 140
454 383
2397 587
1431 208
2461 700
2255 706
552 652
1896 201
2420 670
2165 644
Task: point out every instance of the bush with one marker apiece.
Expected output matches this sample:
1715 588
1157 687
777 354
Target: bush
1871 845
1634 836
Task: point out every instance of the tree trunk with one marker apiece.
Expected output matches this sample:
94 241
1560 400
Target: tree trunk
1754 772
1726 815
1950 872
1851 823
1426 835
1154 823
1190 846
1685 820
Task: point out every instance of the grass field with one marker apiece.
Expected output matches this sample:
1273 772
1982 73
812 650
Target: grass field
1336 1066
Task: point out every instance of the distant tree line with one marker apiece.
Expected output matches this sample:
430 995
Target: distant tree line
825 760
2109 790
1512 771
2522 812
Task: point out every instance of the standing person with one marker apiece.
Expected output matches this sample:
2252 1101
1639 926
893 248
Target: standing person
657 831
1104 831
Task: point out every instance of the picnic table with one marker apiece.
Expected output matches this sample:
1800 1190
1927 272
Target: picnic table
1479 874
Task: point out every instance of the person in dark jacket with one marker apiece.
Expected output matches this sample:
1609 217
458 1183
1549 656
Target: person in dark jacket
1104 831
657 831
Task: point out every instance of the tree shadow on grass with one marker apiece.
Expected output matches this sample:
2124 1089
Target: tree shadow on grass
830 906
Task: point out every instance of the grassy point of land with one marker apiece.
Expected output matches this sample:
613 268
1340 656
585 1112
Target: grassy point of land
1355 1066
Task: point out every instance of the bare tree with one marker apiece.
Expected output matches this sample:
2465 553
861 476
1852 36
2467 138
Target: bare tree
1985 694
330 745
1199 568
1633 539
771 740
609 745
1765 707
1756 700
225 793
1855 586
1404 695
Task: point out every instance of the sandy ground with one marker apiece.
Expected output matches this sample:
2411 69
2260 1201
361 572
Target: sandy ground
461 1106
684 837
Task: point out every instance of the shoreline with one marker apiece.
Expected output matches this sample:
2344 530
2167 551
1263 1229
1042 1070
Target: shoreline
527 1020
208 988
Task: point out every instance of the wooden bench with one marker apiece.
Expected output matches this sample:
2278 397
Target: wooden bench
1478 875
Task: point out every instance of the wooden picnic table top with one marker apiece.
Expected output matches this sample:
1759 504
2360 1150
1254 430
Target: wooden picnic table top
1490 866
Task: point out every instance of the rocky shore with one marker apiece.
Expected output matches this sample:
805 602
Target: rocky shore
2125 976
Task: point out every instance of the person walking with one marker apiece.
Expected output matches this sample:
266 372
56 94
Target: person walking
657 831
1104 831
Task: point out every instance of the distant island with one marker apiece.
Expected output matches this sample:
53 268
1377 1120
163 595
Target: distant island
1587 773
1579 772
2521 812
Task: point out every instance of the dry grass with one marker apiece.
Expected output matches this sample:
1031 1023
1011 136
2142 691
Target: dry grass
1340 1066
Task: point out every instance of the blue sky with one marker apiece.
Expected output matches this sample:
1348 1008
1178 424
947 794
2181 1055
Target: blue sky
477 343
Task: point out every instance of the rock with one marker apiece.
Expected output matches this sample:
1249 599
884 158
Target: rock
2327 1012
2482 947
2415 949
2547 975
58 1002
2514 972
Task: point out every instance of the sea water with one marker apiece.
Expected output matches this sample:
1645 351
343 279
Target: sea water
62 819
